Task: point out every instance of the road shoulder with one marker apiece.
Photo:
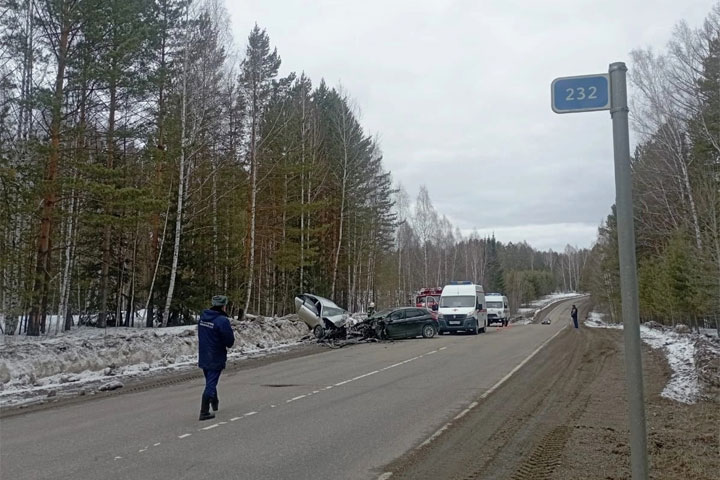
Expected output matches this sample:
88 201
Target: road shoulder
564 416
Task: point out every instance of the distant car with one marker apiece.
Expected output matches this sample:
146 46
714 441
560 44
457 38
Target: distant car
406 322
546 321
321 315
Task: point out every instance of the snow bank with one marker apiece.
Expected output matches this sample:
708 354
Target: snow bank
694 359
87 355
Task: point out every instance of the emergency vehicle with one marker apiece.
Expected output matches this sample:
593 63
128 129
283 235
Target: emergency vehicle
427 297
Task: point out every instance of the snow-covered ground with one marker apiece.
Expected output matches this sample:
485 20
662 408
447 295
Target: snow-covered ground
531 309
87 359
694 358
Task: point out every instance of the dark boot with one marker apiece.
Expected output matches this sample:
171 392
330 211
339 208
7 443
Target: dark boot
215 403
205 409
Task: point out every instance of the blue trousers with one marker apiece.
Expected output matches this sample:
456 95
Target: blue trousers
575 321
211 380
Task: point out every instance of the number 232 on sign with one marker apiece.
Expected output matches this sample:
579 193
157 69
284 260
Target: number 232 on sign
580 94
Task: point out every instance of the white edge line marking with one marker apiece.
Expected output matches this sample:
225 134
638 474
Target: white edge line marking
184 435
520 365
385 476
435 435
466 411
490 390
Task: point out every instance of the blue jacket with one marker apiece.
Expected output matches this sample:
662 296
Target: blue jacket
215 336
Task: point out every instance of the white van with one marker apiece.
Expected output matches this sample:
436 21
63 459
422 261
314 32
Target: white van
498 308
462 308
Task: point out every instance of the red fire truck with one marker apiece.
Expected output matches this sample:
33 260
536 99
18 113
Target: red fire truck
427 297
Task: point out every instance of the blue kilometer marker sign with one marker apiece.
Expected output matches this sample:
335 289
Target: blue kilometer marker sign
585 93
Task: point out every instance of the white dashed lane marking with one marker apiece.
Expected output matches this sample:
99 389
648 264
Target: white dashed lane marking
314 392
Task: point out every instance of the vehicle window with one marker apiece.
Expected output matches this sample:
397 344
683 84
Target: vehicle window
495 304
329 311
459 301
397 315
414 313
310 305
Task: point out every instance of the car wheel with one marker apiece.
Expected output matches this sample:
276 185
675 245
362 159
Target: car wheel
475 330
319 331
428 331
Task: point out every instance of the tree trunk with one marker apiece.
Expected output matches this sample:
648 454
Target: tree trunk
107 233
253 199
43 265
181 176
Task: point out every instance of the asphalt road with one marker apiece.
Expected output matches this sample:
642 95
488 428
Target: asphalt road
339 414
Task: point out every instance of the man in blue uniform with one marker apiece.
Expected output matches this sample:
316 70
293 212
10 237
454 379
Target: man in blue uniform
215 336
574 314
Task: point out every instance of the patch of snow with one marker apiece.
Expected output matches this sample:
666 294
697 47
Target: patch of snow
679 349
680 353
710 332
597 320
548 299
85 358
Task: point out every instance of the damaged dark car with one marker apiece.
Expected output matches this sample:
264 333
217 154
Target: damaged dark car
405 322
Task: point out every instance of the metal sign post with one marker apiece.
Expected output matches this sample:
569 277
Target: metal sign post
628 270
571 94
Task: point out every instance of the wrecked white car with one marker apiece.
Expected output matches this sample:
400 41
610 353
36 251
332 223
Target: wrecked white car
321 315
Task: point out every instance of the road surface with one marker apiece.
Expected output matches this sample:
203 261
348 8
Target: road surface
340 414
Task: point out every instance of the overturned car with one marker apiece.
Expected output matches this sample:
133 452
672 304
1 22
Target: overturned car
321 315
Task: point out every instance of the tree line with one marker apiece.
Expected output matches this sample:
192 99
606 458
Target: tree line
676 180
146 164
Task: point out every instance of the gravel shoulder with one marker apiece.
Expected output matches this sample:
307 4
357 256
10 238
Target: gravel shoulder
564 416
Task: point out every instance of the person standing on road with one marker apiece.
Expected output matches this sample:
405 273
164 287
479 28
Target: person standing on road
371 309
573 314
215 336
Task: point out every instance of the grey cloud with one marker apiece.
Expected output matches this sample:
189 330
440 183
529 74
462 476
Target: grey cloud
459 93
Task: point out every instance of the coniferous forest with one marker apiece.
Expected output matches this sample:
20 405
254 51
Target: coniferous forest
147 163
675 112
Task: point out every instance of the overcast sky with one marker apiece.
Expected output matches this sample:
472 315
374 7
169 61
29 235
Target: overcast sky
459 94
